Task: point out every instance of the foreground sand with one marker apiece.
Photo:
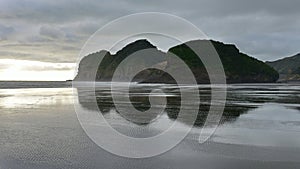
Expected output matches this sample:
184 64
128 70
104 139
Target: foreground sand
43 132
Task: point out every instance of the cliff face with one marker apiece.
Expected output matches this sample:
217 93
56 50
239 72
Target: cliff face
239 67
88 66
288 68
110 63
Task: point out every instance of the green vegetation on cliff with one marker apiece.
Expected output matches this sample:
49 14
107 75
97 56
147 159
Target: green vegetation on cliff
288 68
239 67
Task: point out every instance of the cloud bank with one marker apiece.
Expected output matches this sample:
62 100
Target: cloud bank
55 31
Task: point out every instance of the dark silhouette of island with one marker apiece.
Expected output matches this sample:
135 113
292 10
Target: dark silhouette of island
238 67
288 68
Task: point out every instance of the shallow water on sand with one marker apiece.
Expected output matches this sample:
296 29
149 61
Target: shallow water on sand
39 129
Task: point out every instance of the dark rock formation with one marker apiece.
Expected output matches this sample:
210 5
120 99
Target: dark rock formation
239 67
288 68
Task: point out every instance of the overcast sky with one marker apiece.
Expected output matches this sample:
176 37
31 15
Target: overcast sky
41 39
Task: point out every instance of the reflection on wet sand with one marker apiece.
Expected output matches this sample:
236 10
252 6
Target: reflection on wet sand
260 129
139 97
35 97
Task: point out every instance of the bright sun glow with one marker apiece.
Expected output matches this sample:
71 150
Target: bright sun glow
23 70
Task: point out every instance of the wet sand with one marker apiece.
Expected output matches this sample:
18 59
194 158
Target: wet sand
39 129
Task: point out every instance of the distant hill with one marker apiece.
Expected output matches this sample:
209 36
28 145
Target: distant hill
288 68
239 67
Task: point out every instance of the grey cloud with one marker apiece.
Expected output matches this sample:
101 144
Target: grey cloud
221 8
266 29
87 28
62 11
53 54
50 67
270 47
5 31
51 32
